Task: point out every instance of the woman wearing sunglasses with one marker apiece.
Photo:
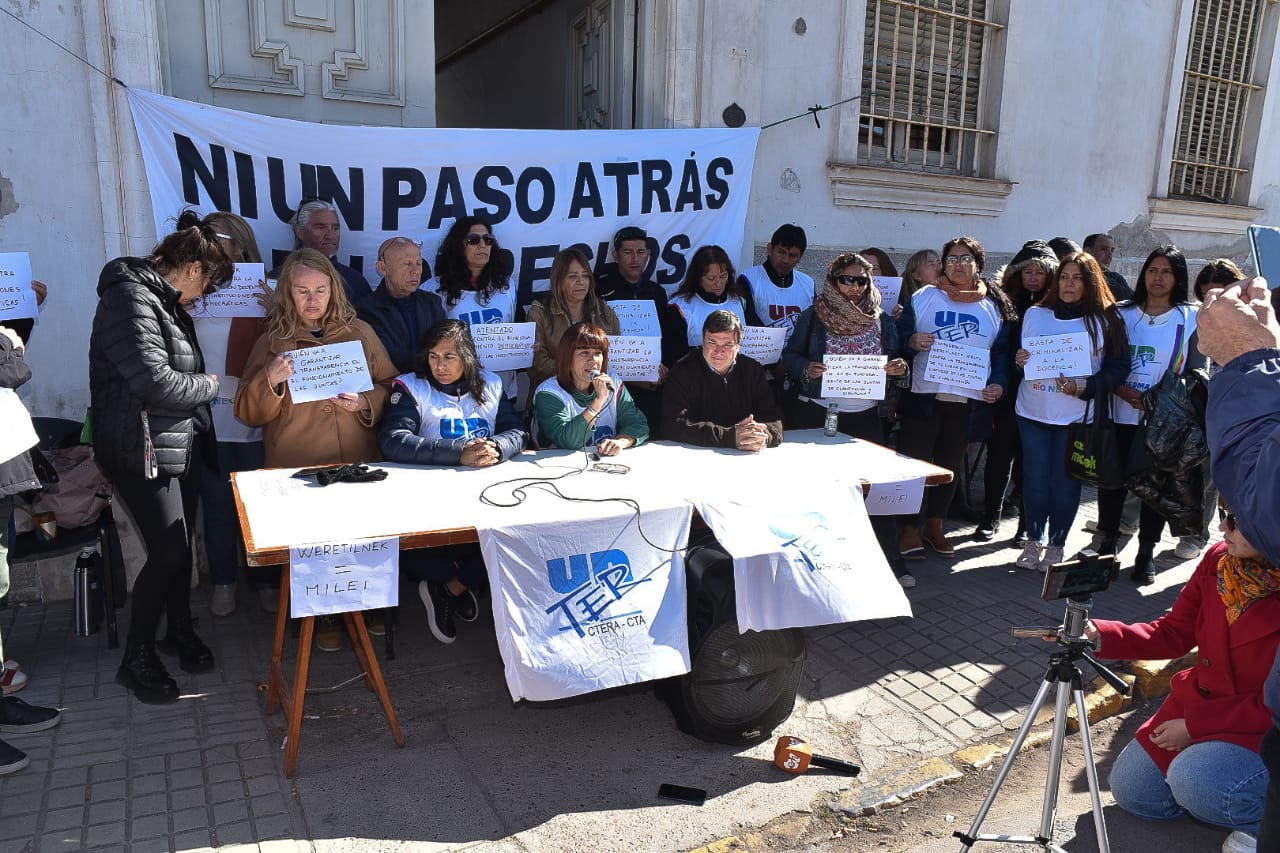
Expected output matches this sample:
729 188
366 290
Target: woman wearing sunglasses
1198 756
846 318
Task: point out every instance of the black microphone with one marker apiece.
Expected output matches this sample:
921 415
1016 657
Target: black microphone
608 382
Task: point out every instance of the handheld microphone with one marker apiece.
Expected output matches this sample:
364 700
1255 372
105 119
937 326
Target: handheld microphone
608 381
794 755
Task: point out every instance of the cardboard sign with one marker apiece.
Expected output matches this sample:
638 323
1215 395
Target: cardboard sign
634 358
1067 354
17 299
854 377
324 372
637 317
504 346
764 343
238 297
890 291
340 577
957 365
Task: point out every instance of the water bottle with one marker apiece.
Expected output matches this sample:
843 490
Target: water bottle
833 419
87 605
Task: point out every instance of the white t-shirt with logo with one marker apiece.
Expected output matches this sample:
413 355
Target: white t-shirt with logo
449 417
779 307
1156 344
606 425
970 324
1039 399
470 309
695 311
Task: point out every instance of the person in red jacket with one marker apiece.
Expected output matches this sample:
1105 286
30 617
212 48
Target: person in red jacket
1198 755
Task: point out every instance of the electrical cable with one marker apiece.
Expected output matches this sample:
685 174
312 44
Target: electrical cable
812 111
65 49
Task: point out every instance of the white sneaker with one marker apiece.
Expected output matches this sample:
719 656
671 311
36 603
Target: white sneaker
1240 842
1188 548
908 581
1030 556
1052 556
224 599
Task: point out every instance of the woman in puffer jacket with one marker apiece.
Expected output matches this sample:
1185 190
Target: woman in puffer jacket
153 431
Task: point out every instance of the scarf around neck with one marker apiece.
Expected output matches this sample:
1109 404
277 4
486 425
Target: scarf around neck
955 294
842 316
1242 583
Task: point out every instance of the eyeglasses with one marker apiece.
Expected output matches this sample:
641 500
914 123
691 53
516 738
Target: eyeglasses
958 260
1227 518
852 280
477 239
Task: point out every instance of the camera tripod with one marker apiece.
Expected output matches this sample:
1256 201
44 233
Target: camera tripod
1064 671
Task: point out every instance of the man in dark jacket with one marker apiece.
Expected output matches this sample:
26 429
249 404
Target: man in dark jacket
316 226
1238 330
399 312
717 397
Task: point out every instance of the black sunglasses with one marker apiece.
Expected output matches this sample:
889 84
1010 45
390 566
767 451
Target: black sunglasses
1227 518
852 280
477 239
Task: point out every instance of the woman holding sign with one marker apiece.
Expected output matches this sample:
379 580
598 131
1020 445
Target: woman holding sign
449 411
582 404
1078 303
710 285
846 319
957 333
572 299
152 432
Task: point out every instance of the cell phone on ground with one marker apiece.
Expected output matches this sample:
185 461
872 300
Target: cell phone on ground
1264 241
681 794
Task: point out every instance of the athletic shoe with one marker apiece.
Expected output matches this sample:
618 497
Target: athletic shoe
224 599
13 759
988 528
907 580
1052 556
1188 548
17 717
439 604
1144 569
465 606
12 678
329 633
375 622
1030 556
1240 842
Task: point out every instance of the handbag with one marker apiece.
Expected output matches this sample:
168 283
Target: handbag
1093 455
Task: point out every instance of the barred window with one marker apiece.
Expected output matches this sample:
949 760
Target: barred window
922 102
1216 87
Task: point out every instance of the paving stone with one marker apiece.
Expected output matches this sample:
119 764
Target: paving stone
149 804
191 842
106 812
227 791
148 784
150 826
110 835
190 778
68 777
18 827
63 797
273 826
190 819
263 785
230 812
187 798
65 818
20 804
269 804
182 760
56 842
150 845
111 789
234 833
223 773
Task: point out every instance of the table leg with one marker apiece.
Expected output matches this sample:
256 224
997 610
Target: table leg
349 620
277 651
299 696
373 671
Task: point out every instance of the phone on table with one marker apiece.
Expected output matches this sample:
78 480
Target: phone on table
1264 241
679 793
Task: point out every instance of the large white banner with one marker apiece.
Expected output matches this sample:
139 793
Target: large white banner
592 604
543 190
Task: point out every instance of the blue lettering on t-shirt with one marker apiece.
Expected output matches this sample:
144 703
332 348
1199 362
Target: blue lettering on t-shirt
601 433
452 428
954 327
481 317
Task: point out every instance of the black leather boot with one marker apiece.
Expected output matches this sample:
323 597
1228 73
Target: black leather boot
1144 567
142 672
181 640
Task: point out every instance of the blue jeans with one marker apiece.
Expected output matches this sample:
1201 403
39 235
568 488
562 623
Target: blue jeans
1213 781
1049 497
221 526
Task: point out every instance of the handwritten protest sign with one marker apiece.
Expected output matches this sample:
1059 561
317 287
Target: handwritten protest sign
901 497
17 299
854 377
238 297
637 317
958 366
504 346
890 288
323 372
339 577
635 358
764 343
1067 354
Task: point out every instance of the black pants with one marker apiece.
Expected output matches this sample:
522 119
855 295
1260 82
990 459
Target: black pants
1111 501
1004 459
439 565
1269 833
940 439
164 510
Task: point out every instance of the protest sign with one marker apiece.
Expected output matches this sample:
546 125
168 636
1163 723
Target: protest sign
504 346
326 371
890 288
764 343
900 497
238 297
637 317
957 365
339 577
1068 354
855 377
635 358
17 299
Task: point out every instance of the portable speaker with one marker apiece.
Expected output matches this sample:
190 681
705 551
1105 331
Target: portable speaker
741 686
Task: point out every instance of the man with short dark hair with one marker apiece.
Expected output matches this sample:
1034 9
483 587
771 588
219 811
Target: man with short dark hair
316 226
717 397
777 291
1103 249
399 311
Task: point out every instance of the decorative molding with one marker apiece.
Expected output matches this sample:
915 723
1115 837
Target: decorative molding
287 78
1180 214
881 189
311 15
335 75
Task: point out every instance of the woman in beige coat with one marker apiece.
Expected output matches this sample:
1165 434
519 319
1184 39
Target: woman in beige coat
572 299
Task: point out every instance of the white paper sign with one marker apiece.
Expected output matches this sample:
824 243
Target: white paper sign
957 365
16 432
890 290
17 299
635 359
238 297
504 346
895 498
764 343
1068 354
637 317
324 372
339 577
854 377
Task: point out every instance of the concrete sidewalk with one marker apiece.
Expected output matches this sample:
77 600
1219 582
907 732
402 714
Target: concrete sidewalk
482 774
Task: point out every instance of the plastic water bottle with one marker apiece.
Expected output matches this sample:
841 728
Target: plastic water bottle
87 605
833 418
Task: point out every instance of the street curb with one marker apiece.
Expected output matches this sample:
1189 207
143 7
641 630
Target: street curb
1148 679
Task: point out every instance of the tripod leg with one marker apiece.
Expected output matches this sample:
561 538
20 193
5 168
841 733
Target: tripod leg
1053 778
1091 772
968 839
